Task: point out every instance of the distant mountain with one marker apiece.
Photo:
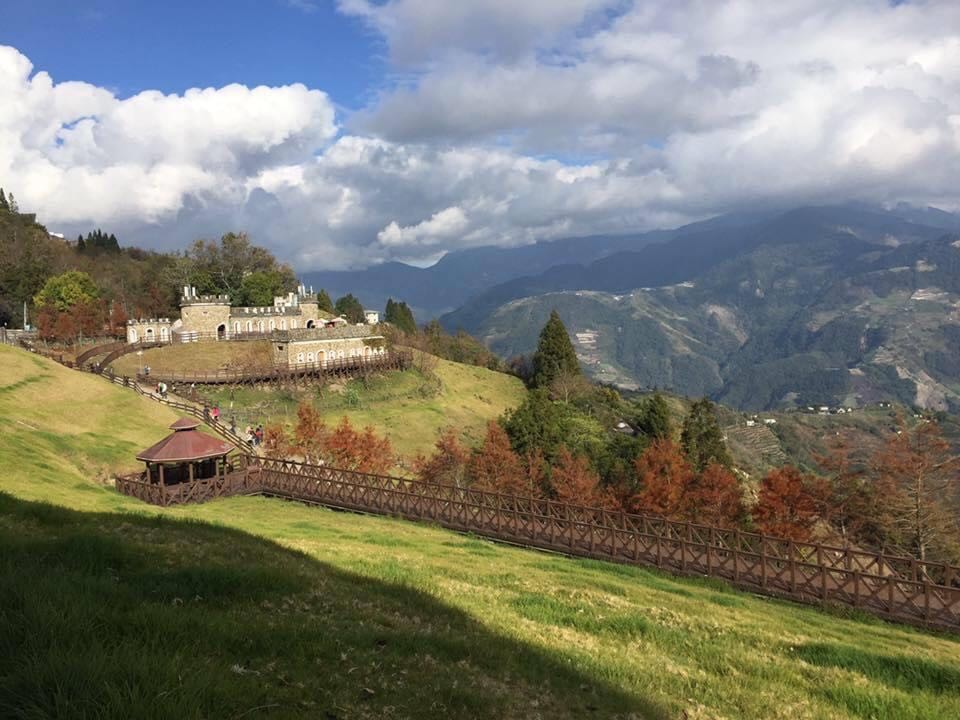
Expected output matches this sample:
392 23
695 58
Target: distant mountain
812 306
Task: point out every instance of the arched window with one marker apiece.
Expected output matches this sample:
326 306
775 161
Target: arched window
249 325
367 352
283 323
132 335
149 337
299 357
310 323
293 324
236 327
221 331
273 325
310 357
261 326
164 334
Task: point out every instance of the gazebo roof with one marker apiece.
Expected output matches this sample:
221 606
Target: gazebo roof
185 444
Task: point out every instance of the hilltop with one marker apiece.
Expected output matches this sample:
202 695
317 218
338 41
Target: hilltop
255 603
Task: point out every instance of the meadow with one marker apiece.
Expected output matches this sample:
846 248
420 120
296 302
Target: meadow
254 607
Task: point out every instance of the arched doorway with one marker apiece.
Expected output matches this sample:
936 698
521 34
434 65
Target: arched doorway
149 335
221 332
310 324
164 334
132 336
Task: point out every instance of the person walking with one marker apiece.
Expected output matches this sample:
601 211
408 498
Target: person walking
259 435
215 413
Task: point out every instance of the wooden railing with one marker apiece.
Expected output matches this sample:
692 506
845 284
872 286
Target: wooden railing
897 588
237 481
395 360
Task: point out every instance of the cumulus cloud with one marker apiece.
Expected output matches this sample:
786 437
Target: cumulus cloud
505 123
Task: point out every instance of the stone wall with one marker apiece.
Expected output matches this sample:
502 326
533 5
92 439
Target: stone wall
325 350
206 317
150 330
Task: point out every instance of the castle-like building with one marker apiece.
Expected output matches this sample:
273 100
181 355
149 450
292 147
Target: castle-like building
305 333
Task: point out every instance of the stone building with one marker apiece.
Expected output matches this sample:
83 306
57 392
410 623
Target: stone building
326 345
205 317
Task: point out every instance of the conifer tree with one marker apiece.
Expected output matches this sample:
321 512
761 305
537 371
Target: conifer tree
3 201
702 438
349 307
785 506
448 464
555 354
653 420
496 468
324 302
12 204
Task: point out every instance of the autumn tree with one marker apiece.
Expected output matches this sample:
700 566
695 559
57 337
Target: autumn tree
715 498
447 465
310 435
848 497
785 506
495 467
920 472
663 478
701 437
276 443
364 451
118 320
555 354
574 482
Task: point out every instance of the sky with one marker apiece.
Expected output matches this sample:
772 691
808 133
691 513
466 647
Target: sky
344 133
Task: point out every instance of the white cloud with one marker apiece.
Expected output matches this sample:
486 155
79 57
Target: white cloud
510 122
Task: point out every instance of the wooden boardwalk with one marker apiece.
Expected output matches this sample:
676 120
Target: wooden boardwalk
900 589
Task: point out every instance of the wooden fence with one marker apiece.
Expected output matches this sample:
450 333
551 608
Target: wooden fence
903 589
341 367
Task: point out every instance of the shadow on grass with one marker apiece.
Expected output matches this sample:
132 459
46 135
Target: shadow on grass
119 616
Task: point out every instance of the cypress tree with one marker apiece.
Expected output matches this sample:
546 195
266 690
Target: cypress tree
324 302
555 355
653 420
3 201
702 438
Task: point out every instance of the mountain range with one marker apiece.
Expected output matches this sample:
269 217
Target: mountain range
843 305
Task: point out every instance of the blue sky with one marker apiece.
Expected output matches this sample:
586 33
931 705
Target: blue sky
171 45
343 133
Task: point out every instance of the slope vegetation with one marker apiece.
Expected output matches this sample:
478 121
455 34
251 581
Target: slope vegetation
258 608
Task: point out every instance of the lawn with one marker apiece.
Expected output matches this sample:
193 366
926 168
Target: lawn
255 607
187 357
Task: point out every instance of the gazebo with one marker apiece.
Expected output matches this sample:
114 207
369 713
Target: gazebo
185 456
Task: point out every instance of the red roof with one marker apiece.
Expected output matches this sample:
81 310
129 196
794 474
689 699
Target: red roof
185 444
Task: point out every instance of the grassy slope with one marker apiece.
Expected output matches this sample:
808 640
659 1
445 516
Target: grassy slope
197 357
328 614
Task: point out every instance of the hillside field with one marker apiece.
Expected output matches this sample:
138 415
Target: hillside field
255 607
409 407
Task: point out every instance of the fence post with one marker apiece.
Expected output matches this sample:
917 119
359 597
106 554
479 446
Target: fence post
890 585
793 567
736 555
856 588
763 562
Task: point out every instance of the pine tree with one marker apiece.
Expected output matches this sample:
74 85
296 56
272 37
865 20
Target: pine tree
653 420
702 438
324 302
3 201
349 307
448 464
12 204
81 243
555 354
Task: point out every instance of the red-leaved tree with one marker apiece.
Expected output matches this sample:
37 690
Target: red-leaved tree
495 467
365 451
664 477
574 482
715 498
447 465
786 507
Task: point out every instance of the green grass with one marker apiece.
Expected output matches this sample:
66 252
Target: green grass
409 407
255 607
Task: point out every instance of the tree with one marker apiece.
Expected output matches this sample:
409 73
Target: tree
447 465
66 290
310 435
259 288
653 420
276 443
574 482
715 498
537 424
400 316
847 497
324 302
785 506
347 449
496 468
118 320
555 354
349 307
702 438
4 205
920 473
664 477
12 204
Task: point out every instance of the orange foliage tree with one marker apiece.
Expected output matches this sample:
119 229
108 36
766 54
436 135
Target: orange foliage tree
276 443
664 477
715 498
365 451
447 465
785 506
495 467
847 496
574 482
310 435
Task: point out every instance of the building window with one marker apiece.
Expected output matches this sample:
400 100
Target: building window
261 326
310 357
236 328
299 357
273 326
293 324
249 325
133 335
340 354
283 324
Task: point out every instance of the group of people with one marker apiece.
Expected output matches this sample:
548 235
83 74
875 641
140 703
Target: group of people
254 436
161 390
